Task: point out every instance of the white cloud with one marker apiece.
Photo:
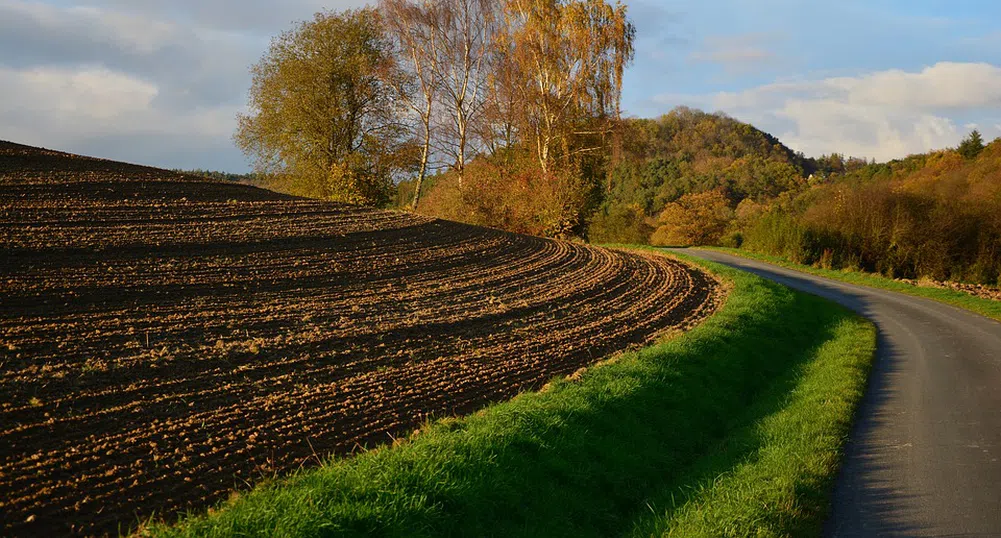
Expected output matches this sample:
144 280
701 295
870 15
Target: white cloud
43 24
944 85
882 115
96 94
139 80
94 110
122 83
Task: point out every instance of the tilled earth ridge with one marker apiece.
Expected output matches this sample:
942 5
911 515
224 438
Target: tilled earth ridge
165 339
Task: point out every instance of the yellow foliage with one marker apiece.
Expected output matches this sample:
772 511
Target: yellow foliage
695 219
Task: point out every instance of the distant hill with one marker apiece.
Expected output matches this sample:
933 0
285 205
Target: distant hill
690 151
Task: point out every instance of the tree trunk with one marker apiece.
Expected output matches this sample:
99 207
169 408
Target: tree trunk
424 165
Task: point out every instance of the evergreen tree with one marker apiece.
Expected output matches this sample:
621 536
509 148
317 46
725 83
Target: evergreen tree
972 145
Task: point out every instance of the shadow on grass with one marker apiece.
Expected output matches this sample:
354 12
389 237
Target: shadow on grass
588 477
580 459
866 499
741 443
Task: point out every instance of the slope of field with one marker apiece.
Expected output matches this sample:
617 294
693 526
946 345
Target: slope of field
166 339
733 429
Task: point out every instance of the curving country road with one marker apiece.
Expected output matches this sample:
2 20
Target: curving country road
924 457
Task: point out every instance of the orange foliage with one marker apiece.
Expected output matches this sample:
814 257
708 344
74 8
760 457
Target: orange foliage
511 192
695 219
936 215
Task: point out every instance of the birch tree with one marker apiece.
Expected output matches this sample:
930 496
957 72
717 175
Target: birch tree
570 56
412 28
465 37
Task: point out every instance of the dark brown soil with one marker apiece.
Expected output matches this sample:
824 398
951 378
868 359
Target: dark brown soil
167 339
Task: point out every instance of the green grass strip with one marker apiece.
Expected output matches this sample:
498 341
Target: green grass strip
743 397
773 477
985 307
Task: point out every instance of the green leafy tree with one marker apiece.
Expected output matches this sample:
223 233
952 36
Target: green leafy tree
972 145
689 151
324 121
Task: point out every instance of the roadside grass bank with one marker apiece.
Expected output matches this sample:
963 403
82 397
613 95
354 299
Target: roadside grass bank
984 307
731 429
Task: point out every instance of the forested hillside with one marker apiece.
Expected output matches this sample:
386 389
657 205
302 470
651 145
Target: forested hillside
696 178
935 215
652 163
688 152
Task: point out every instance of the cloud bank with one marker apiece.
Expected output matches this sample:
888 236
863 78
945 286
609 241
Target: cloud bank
882 115
142 81
161 82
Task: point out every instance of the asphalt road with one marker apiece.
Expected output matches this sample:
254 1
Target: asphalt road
924 457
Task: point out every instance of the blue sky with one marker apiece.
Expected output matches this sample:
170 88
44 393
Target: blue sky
802 39
161 82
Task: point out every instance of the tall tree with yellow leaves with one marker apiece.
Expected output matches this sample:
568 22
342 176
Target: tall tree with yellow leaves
569 57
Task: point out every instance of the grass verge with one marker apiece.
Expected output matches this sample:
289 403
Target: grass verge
732 429
984 307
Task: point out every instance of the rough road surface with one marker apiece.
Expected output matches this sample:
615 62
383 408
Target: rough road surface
167 339
924 458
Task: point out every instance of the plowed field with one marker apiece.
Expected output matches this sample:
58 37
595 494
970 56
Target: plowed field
166 339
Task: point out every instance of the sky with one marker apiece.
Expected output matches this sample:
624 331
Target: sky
161 82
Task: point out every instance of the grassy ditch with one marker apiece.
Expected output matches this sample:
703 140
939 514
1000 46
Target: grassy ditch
732 429
984 307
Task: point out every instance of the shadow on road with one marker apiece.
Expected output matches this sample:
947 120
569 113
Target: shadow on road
866 503
865 500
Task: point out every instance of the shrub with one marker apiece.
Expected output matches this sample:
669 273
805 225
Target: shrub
695 219
621 223
510 191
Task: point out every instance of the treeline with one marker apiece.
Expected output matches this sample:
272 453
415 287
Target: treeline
936 215
247 179
509 104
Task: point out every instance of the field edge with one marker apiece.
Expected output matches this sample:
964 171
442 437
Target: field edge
742 406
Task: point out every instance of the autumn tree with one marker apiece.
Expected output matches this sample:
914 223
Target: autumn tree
529 81
498 129
695 219
566 60
323 119
465 35
412 28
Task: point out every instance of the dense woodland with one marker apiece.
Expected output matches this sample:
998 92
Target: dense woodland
935 215
692 178
507 114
